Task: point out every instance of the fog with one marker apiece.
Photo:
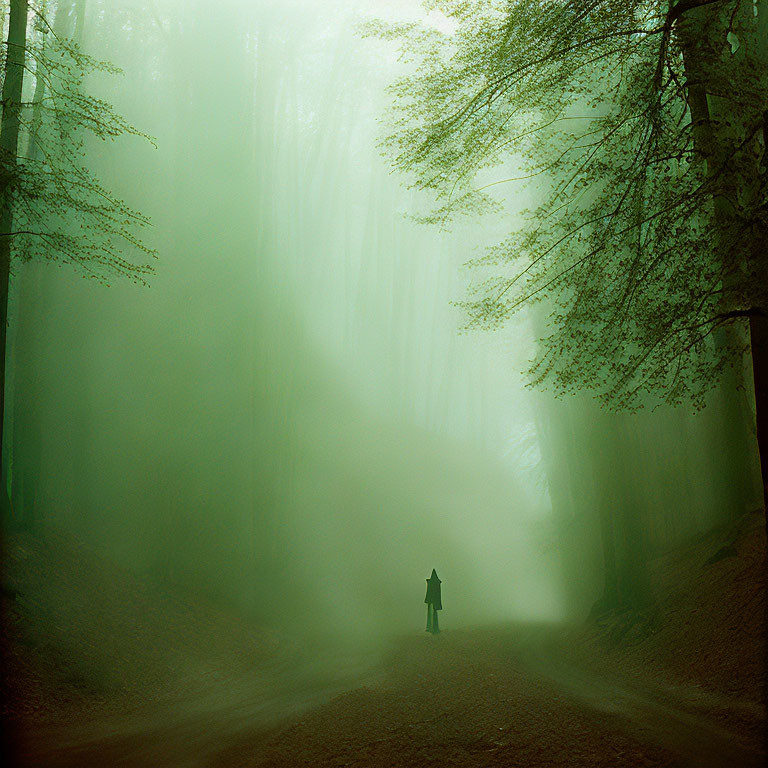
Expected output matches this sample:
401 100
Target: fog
289 418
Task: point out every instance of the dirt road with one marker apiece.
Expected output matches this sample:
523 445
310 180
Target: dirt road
491 697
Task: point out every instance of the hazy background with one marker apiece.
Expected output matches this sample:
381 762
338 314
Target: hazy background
288 419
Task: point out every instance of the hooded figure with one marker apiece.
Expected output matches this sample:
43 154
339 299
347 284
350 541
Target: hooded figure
434 602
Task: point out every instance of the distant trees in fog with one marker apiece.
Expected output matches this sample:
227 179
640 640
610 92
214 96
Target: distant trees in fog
52 207
640 131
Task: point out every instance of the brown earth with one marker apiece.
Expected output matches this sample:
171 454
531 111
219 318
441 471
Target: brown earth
193 685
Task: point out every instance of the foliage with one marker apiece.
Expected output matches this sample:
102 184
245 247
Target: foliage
624 246
61 211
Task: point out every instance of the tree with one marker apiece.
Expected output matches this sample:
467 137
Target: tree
641 125
52 208
9 142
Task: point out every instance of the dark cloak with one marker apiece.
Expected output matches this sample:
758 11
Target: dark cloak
433 597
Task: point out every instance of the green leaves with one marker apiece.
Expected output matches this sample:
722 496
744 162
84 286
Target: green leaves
591 98
61 210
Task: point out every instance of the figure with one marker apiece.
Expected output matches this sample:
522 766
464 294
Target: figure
434 602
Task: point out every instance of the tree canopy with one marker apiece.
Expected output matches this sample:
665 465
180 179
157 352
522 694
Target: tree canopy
61 211
639 129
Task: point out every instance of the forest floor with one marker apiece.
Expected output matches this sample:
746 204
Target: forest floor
193 685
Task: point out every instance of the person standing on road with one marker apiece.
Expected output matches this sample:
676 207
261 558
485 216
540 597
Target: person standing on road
434 602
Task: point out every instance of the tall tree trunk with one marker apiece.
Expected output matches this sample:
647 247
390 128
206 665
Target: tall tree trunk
702 33
25 433
33 147
629 500
9 147
610 597
758 329
758 334
24 437
22 424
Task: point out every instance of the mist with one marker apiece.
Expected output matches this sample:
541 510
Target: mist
287 418
292 419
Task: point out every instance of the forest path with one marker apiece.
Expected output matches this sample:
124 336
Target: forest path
697 727
185 729
523 696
